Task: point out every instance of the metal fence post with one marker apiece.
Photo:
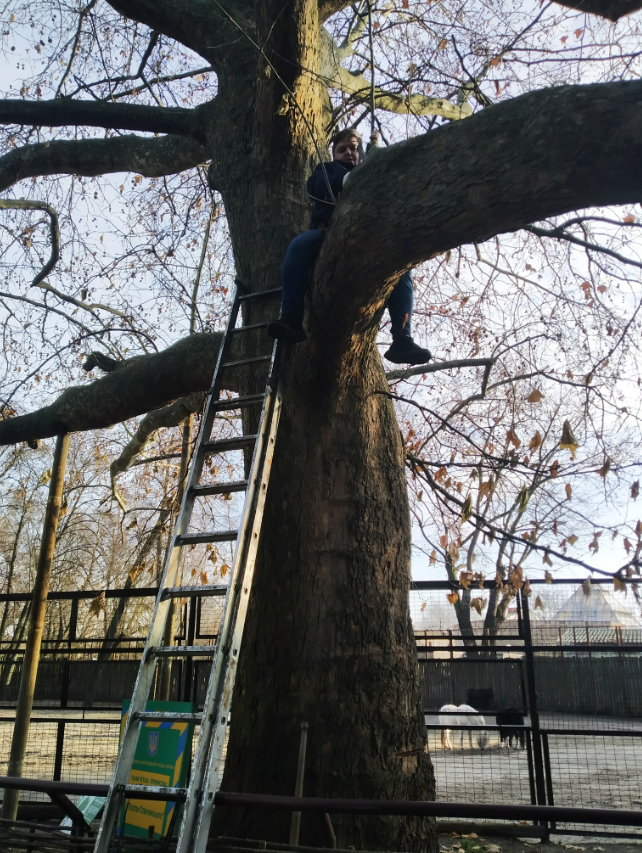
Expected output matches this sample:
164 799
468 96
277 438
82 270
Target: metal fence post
64 690
529 660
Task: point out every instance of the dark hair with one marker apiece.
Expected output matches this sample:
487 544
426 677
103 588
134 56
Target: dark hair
342 135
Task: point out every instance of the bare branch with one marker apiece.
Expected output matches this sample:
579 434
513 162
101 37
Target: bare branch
54 232
141 385
74 50
195 23
169 416
148 157
337 77
499 532
64 112
561 234
435 367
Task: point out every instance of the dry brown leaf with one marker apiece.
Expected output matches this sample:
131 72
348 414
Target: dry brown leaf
627 546
572 539
554 469
133 574
586 587
569 491
536 441
619 585
512 438
635 490
630 218
465 579
433 557
535 396
97 604
538 604
547 560
548 577
443 540
453 597
527 588
604 470
478 604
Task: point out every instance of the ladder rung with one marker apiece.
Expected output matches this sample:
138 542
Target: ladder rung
220 488
250 328
167 717
237 403
155 792
194 591
226 444
182 651
261 294
200 538
258 360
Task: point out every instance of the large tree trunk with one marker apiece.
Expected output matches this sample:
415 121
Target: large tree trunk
328 638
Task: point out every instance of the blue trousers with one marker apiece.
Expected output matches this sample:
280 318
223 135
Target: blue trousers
297 265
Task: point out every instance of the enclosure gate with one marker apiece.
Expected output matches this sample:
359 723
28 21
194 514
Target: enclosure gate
198 797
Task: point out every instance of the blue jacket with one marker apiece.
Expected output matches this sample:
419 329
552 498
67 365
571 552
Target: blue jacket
318 190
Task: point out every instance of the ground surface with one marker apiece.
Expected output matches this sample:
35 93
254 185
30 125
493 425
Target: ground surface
471 843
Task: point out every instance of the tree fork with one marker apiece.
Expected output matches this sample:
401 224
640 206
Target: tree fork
36 624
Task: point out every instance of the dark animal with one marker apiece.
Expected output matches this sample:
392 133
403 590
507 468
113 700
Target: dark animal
511 727
483 699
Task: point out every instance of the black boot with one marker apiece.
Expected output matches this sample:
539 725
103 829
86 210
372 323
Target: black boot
288 328
405 351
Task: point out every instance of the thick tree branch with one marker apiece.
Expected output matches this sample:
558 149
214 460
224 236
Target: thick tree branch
539 155
168 416
148 156
142 384
610 9
337 77
64 112
197 24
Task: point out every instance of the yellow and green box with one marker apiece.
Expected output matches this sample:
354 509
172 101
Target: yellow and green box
162 758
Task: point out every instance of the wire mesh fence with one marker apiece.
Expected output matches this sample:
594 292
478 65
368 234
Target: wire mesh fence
577 688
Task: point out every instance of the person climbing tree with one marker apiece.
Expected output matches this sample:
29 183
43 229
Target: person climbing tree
324 187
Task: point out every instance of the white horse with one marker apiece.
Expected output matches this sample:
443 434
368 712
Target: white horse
467 716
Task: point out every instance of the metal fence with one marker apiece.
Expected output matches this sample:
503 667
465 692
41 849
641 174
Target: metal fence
579 690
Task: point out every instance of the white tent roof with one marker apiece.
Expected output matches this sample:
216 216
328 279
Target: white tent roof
601 607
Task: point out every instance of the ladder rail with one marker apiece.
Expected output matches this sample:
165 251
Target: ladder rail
146 671
218 696
199 794
237 626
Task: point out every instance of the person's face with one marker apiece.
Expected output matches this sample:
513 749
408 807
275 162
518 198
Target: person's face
347 151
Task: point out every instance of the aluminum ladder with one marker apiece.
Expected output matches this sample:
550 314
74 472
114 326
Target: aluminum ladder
198 797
